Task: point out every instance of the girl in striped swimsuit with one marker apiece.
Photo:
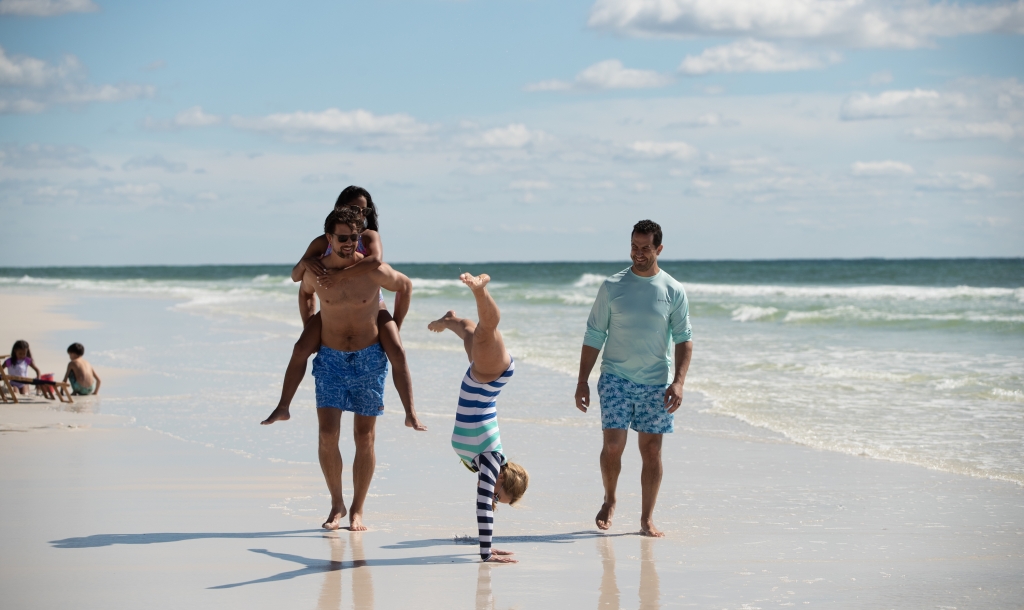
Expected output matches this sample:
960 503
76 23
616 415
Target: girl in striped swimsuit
476 439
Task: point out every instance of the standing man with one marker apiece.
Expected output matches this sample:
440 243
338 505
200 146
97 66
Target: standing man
350 367
638 314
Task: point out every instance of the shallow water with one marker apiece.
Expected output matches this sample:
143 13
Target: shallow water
912 361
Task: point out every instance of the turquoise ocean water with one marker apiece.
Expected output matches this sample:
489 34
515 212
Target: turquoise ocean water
918 361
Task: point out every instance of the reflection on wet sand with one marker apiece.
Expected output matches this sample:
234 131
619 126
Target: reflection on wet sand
650 586
609 588
484 597
362 579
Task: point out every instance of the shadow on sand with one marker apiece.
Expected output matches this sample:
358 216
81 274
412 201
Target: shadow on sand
98 540
547 538
318 566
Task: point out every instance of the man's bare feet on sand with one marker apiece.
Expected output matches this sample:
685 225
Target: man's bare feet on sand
411 421
647 529
279 414
334 519
499 556
604 516
475 282
441 324
355 523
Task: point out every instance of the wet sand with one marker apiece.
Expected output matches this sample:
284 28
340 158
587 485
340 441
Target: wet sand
100 513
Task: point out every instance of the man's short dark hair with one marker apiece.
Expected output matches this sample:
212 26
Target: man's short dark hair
344 216
649 227
77 349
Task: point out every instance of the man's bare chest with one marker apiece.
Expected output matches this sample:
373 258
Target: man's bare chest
349 293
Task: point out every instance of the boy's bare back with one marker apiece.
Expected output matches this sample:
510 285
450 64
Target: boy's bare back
82 371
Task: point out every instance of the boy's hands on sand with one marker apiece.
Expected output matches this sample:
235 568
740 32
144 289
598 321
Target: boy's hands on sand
499 556
582 396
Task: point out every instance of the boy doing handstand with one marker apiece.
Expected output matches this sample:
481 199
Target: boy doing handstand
476 439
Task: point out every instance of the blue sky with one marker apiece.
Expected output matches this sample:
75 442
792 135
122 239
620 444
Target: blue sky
221 132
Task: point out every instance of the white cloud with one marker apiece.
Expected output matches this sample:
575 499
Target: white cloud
530 185
957 181
195 117
29 84
890 104
859 23
515 135
680 151
22 106
135 190
104 93
46 156
333 122
993 129
23 71
880 78
46 8
56 192
749 56
608 74
190 117
154 162
881 168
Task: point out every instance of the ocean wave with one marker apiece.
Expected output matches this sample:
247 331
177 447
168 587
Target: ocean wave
749 313
850 312
589 279
879 292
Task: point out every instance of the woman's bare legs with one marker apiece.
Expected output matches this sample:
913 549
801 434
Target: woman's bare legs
482 340
391 341
307 345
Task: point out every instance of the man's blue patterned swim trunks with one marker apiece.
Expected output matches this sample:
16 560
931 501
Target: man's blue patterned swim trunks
625 405
351 381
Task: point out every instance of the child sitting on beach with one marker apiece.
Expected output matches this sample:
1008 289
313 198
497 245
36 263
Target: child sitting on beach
19 363
83 378
372 249
476 439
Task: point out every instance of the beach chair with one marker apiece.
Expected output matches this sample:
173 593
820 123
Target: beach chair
61 389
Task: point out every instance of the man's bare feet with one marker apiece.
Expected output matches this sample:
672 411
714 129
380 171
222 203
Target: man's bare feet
475 282
647 529
604 516
279 414
439 325
499 556
355 522
411 421
334 519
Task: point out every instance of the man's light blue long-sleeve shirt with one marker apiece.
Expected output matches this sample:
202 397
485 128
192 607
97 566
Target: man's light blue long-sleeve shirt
637 319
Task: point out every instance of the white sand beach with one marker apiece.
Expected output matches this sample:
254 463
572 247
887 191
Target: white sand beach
102 511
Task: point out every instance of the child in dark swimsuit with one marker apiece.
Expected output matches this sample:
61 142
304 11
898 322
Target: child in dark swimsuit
309 342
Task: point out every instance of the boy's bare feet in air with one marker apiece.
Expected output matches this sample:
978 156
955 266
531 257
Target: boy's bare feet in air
604 516
334 519
647 529
499 556
355 522
441 324
279 414
475 282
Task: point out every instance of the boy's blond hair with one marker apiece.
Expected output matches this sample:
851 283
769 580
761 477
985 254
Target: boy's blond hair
514 481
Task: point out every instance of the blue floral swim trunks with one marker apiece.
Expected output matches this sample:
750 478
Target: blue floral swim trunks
625 405
351 381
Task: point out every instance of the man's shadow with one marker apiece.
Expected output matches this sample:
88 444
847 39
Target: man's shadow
317 566
567 538
99 540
